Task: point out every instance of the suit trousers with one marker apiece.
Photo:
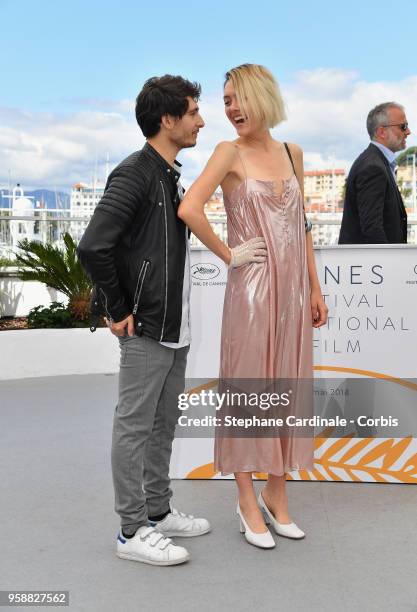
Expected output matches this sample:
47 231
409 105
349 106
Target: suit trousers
150 380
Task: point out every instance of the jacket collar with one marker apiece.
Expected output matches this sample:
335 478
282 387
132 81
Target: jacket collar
387 153
373 149
377 150
172 172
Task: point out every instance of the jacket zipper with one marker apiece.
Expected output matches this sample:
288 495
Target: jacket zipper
105 304
139 285
166 261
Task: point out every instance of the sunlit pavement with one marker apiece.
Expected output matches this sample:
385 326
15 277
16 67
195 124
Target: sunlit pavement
58 528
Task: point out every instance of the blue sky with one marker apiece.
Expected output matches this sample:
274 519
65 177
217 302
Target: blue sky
69 60
55 51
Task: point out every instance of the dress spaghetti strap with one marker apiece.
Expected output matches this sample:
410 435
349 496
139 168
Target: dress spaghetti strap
307 222
290 156
242 162
245 174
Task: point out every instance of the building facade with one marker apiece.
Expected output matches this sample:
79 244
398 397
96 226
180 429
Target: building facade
84 199
323 189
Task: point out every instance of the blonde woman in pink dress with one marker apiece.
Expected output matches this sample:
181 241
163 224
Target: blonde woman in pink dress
273 296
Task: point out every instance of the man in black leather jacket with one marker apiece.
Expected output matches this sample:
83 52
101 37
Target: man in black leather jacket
135 249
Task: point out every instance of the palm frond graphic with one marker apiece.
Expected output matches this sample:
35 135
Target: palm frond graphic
350 459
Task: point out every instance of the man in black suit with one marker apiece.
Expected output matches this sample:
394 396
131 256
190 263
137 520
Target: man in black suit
374 211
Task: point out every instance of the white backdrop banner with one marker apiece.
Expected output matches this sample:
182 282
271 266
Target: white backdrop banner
371 292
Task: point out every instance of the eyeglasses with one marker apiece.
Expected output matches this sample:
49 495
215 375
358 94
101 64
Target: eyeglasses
403 126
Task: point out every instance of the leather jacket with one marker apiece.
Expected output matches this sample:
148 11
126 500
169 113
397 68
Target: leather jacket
134 247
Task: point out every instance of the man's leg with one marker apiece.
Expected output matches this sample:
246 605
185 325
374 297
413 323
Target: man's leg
158 449
144 367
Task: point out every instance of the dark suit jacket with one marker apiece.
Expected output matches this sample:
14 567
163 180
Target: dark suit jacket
374 211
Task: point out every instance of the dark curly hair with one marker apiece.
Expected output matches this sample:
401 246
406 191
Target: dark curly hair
165 95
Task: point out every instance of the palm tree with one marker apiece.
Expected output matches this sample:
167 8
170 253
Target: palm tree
401 159
59 269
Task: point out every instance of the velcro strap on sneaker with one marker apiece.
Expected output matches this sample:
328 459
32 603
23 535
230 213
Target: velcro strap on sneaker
166 542
145 534
155 538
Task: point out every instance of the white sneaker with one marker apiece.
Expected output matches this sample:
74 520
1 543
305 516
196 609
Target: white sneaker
150 546
178 524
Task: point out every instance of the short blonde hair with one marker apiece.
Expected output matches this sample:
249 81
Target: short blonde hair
257 93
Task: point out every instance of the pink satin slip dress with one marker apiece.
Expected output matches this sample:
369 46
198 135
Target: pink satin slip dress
267 326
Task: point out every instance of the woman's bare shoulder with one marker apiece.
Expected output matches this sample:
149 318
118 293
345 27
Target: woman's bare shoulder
224 155
226 148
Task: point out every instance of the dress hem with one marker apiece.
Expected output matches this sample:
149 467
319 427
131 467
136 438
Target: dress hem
267 471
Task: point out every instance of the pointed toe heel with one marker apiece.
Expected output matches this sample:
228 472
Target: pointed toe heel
289 530
262 540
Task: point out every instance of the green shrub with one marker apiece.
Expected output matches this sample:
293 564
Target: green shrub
59 269
56 315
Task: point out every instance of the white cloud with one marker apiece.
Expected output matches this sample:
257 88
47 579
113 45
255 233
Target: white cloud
48 150
327 112
326 115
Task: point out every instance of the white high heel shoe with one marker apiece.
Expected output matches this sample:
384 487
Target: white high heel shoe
262 540
289 530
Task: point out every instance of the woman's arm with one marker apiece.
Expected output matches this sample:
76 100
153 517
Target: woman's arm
319 309
191 209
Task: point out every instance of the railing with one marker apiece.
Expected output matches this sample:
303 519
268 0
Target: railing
48 227
44 226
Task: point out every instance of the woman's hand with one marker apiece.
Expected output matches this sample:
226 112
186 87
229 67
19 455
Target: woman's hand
319 309
251 251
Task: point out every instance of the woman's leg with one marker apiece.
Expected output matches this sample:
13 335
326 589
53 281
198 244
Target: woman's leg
248 502
275 497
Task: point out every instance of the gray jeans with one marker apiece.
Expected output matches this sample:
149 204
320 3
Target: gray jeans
151 377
